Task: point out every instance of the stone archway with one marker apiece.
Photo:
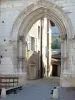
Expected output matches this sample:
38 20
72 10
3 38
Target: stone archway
33 13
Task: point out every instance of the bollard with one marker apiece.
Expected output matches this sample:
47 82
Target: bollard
3 93
55 93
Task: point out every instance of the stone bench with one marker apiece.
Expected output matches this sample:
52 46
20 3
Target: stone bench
12 90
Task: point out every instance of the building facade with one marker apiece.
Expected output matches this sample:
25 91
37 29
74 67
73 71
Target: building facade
37 47
16 19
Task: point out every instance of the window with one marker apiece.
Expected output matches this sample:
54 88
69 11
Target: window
33 44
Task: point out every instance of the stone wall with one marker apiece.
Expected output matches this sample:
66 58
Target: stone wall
9 12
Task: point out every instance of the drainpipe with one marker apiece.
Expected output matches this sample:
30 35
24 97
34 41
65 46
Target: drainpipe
41 60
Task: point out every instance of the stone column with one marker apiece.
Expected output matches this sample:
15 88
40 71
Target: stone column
65 62
45 45
20 54
49 66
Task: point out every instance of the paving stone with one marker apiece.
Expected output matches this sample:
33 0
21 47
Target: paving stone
41 92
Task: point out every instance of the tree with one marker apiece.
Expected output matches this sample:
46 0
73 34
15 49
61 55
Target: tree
56 44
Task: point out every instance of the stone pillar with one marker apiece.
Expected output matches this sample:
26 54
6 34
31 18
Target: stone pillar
64 60
21 61
20 54
49 66
66 79
44 50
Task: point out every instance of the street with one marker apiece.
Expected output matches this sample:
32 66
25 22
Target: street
32 92
41 91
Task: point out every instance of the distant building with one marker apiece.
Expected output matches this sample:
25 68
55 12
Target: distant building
34 46
37 47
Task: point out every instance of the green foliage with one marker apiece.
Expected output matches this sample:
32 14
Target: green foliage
56 44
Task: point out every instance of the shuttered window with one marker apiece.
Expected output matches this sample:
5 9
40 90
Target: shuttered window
35 44
32 44
29 43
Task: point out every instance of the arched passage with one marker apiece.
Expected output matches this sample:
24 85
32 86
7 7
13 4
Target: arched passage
33 13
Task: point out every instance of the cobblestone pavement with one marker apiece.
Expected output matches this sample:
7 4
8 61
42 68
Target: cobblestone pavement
32 92
41 92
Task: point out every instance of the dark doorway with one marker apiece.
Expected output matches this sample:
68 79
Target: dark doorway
55 70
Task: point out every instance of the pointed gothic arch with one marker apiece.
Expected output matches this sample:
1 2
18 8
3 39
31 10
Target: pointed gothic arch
33 13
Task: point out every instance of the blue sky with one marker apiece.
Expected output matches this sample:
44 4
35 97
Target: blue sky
55 30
